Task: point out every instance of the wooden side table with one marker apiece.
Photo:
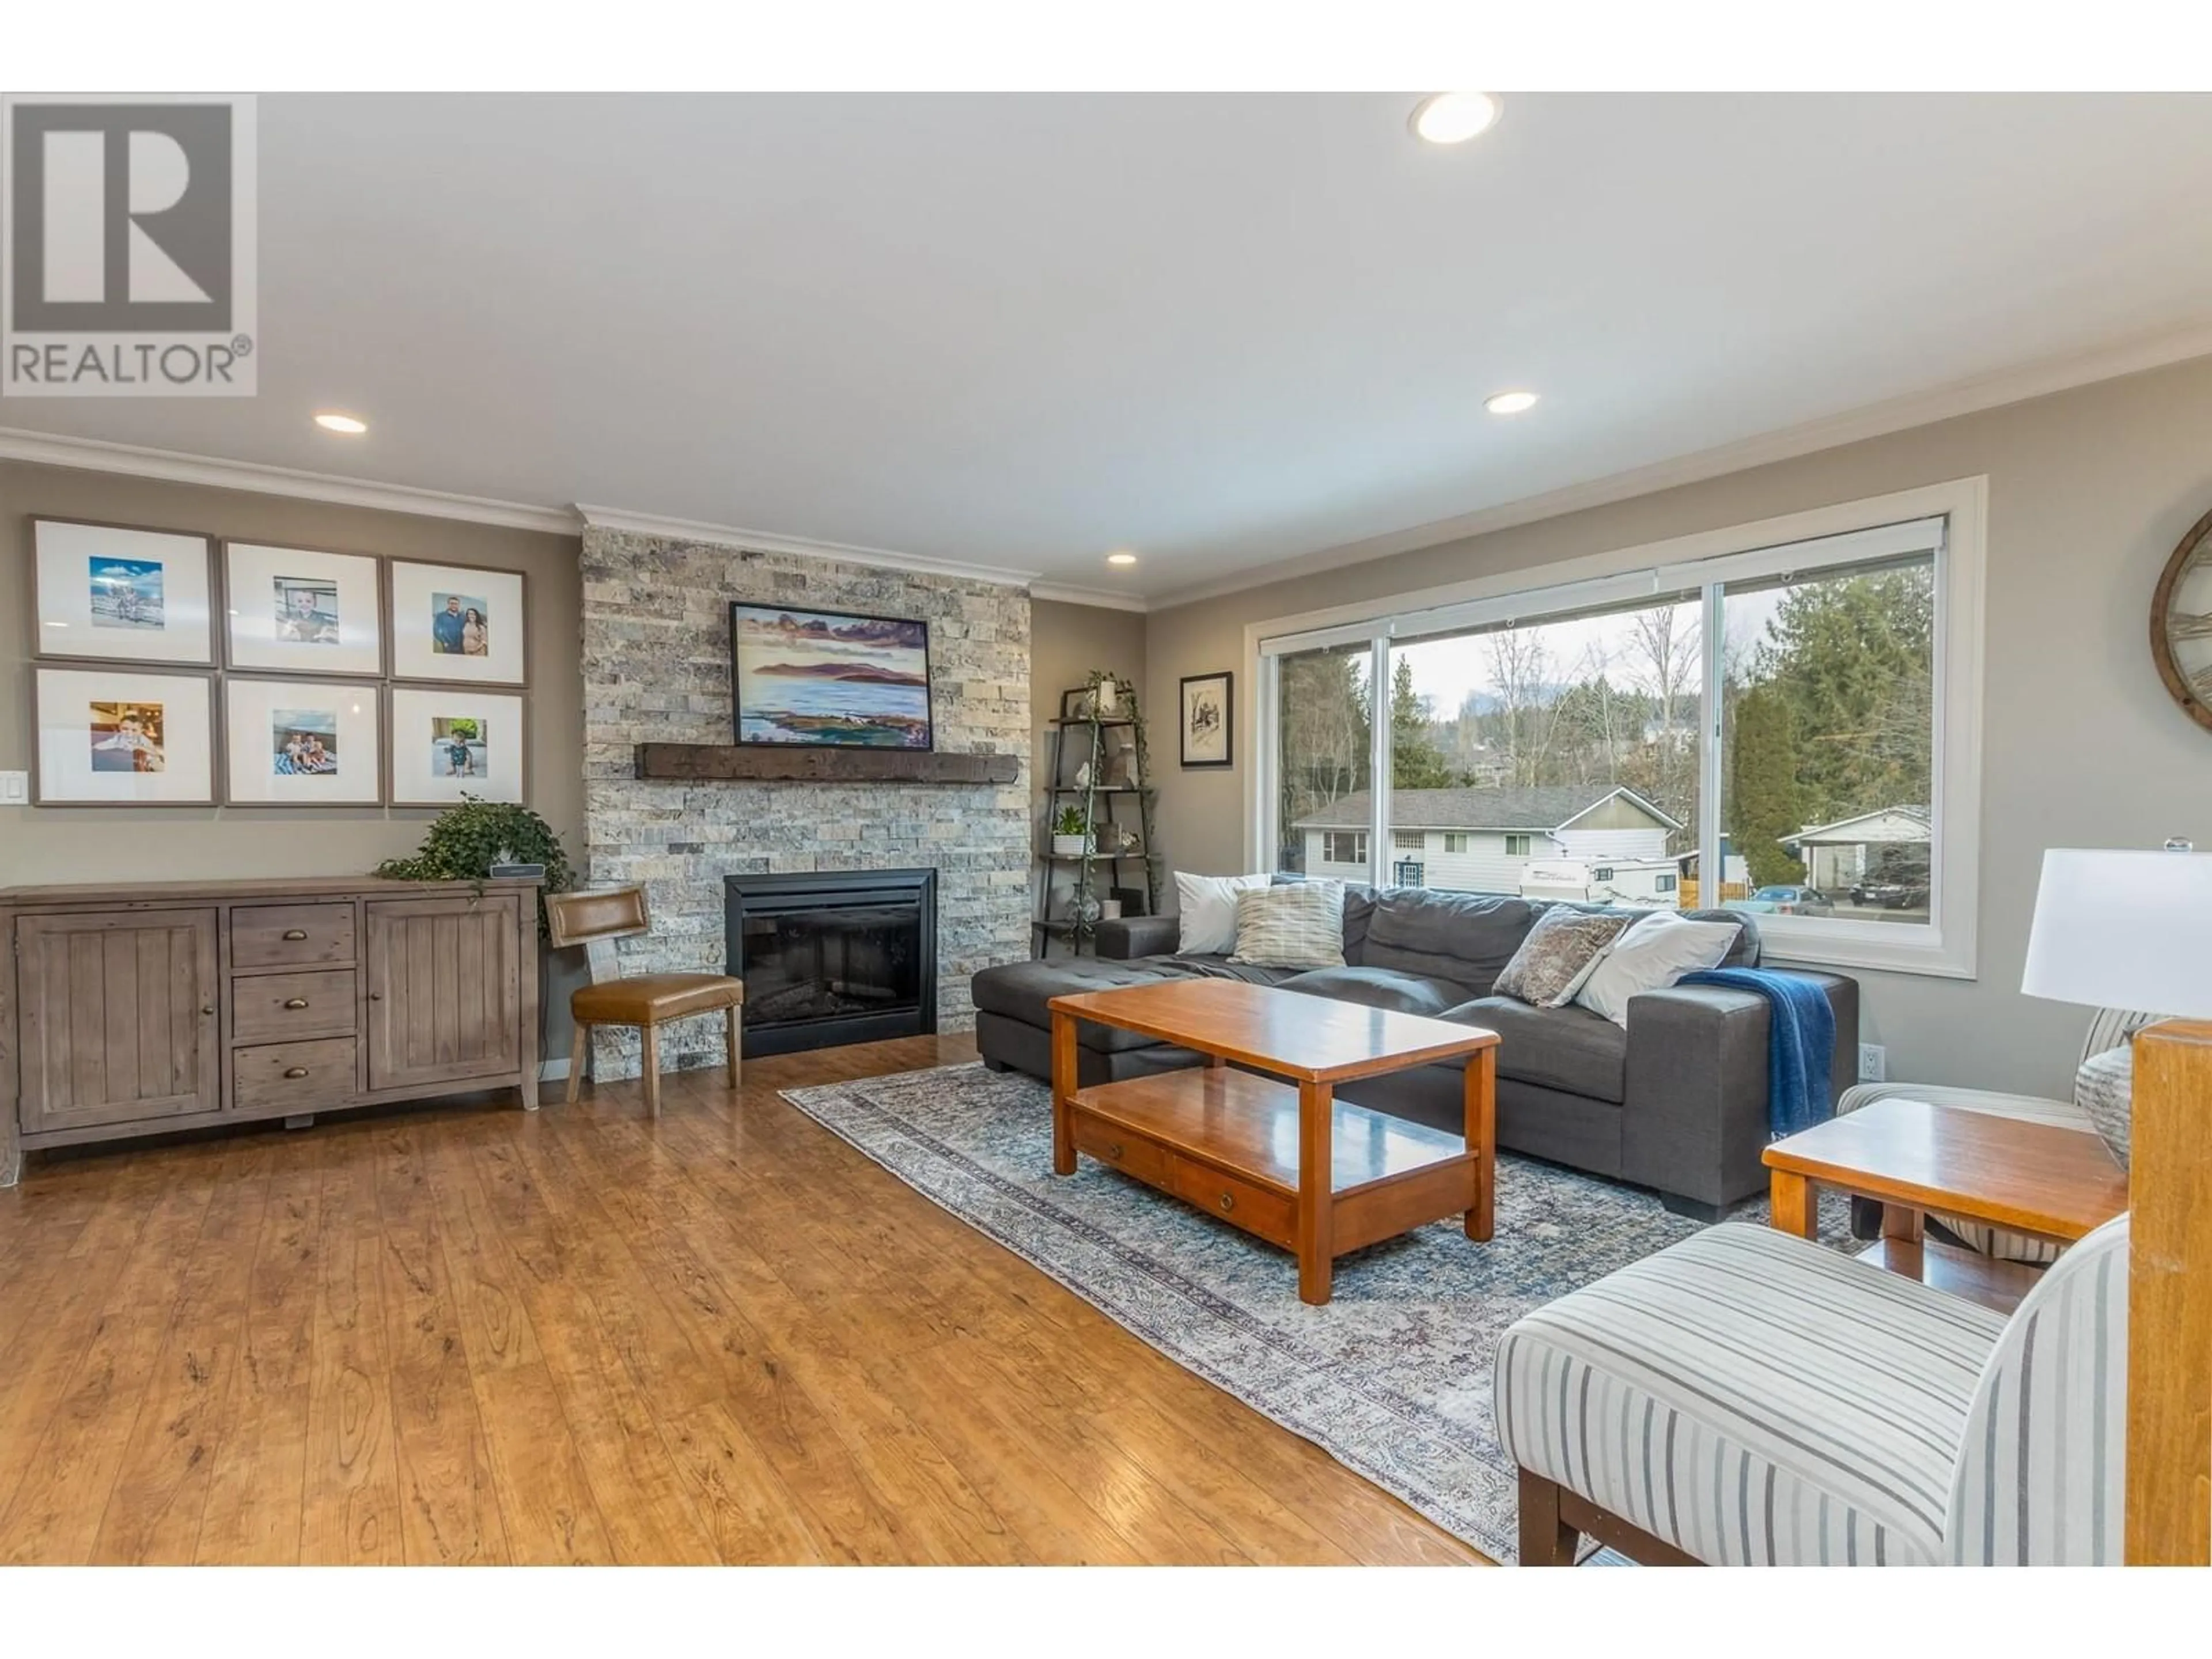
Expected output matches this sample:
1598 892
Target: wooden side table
1914 1156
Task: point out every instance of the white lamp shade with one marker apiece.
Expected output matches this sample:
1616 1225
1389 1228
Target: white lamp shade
2129 930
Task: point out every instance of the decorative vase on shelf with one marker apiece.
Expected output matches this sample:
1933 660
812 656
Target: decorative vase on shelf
1070 847
1108 698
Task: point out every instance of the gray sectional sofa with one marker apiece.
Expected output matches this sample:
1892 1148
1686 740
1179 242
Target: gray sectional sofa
1677 1102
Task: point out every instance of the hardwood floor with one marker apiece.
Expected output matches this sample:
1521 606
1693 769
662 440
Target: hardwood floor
470 1334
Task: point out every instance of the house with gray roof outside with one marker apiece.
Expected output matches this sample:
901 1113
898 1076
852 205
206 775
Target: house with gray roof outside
1484 841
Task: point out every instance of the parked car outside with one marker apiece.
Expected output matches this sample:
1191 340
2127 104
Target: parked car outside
1890 896
1787 901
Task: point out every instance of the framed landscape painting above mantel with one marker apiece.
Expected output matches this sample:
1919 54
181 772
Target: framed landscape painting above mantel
829 678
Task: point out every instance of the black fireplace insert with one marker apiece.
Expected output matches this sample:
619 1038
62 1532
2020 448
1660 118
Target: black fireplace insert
831 958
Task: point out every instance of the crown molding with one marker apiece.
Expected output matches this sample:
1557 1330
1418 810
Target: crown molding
755 541
2108 361
173 466
1104 599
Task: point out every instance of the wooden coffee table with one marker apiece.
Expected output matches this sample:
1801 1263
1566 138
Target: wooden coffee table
1916 1156
1285 1160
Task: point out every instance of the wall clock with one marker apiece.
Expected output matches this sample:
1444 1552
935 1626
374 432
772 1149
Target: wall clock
2181 623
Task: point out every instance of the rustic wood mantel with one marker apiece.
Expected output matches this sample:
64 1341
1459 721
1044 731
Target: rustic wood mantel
700 762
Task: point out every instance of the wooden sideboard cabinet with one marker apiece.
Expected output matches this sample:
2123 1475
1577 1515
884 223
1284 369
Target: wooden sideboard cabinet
132 1010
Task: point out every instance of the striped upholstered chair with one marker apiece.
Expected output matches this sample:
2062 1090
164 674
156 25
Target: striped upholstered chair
1748 1398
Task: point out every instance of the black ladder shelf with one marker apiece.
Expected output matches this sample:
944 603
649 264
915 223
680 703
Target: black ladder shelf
1068 884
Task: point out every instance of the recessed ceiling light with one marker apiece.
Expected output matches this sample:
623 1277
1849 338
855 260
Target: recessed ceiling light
1509 403
1452 117
345 423
1121 559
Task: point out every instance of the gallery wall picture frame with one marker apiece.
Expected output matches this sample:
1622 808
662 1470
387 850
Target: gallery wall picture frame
442 742
303 611
302 743
123 736
1205 715
121 594
457 625
809 678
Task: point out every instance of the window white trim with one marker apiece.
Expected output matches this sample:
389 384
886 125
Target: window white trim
1950 518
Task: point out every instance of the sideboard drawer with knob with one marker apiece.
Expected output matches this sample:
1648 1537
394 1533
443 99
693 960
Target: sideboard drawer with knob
291 936
294 1077
266 1007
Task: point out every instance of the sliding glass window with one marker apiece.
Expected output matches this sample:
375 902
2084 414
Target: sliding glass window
1581 742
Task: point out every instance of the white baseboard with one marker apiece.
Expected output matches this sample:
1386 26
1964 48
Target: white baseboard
553 1071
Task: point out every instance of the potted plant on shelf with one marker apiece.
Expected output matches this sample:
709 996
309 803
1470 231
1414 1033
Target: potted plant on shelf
1070 835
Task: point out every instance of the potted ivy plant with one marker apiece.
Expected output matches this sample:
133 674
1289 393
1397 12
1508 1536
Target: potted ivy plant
463 842
1070 835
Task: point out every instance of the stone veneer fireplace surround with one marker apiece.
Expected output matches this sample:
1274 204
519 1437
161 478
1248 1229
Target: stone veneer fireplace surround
656 660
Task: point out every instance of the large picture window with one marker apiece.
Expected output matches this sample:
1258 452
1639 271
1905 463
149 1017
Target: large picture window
1786 725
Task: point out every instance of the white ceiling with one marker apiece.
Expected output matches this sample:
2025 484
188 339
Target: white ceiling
1223 331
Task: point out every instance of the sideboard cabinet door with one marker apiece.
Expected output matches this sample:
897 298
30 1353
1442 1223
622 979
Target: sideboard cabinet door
444 990
119 1022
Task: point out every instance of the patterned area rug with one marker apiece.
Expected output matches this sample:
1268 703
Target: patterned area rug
1392 1378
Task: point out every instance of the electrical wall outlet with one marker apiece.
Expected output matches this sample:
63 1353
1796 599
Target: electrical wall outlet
15 788
1873 1063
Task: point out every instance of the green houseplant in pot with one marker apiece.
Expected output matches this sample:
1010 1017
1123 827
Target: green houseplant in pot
1071 836
463 842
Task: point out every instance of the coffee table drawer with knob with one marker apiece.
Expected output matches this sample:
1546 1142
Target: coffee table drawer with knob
1265 1215
293 1077
1132 1156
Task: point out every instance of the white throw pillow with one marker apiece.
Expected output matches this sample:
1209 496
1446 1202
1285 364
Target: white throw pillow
1299 924
1650 957
1207 906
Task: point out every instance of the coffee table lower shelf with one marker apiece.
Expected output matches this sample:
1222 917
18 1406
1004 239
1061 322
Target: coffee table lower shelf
1230 1143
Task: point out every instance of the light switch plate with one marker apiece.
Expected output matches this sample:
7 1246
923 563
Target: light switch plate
15 788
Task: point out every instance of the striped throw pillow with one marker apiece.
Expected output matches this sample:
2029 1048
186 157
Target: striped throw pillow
1298 924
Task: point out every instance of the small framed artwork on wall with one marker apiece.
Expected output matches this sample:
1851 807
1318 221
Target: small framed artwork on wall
449 741
452 624
301 743
293 610
105 591
1208 714
121 737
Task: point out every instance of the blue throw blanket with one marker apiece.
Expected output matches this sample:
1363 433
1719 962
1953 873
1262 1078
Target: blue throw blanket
1800 1042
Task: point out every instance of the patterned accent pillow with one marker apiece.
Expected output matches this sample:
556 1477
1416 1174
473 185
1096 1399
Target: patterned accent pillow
1557 957
1299 924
